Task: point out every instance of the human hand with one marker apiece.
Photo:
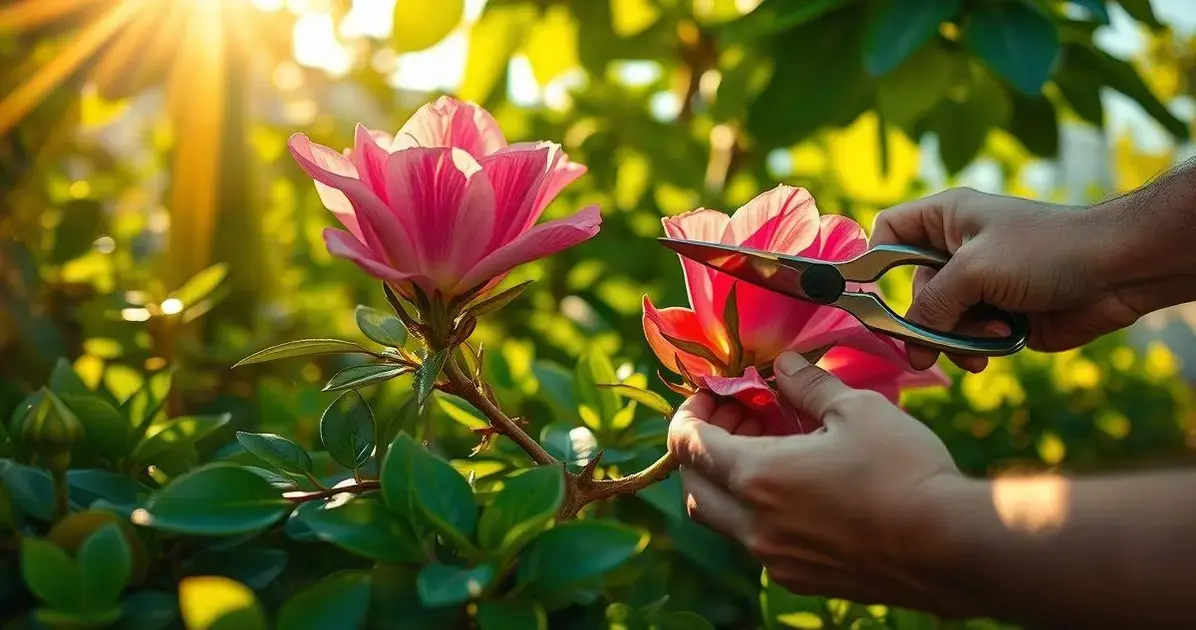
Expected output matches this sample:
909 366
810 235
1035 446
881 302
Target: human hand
841 512
1058 265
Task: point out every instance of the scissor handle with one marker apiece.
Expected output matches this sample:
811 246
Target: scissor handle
878 317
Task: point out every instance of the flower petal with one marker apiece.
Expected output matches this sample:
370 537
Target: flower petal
782 220
447 200
543 240
707 226
370 160
680 323
753 392
372 222
518 174
449 122
344 245
863 370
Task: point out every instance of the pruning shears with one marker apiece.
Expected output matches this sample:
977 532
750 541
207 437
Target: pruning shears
826 283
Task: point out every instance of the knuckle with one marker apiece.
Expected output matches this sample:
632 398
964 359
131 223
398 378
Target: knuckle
860 401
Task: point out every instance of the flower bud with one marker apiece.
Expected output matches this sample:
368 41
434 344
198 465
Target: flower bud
46 430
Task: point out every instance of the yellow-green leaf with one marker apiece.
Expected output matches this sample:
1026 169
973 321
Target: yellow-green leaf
421 24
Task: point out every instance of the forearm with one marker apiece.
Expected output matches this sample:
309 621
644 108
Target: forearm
1151 257
1092 553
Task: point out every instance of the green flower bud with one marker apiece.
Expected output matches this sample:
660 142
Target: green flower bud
46 429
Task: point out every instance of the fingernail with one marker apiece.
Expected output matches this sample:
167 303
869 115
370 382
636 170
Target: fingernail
790 362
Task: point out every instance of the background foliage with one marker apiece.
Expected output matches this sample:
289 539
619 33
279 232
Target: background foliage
154 232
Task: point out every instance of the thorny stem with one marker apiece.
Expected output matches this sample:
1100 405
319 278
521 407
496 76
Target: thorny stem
465 387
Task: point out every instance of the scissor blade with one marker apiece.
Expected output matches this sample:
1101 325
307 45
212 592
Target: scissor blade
763 269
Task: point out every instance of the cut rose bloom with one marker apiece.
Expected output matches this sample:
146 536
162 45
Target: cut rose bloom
696 342
446 204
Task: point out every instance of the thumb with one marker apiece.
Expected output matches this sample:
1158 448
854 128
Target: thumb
810 389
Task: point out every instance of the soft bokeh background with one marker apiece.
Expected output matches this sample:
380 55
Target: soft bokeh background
150 214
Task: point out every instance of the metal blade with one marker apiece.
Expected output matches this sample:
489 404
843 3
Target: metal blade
774 272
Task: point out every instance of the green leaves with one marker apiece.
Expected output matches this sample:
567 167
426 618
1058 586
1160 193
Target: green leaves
527 503
594 368
340 600
1034 124
1017 41
1122 77
444 585
899 28
417 483
496 302
363 526
201 285
277 452
962 126
419 24
356 376
347 430
175 435
647 398
914 87
381 327
214 500
428 372
89 585
577 551
302 348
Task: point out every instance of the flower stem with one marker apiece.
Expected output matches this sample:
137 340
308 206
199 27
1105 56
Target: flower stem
474 394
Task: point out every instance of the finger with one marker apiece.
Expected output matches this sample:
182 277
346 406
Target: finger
921 357
713 507
943 302
750 427
708 450
811 390
919 223
728 416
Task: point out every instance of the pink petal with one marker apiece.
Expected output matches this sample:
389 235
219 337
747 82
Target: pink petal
445 197
370 161
707 226
449 122
753 392
782 220
543 240
680 323
517 175
344 245
839 238
862 370
561 173
373 223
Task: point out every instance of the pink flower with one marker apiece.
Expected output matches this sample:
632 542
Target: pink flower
703 349
446 204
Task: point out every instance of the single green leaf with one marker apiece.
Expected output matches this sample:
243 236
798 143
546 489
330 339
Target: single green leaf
784 112
1034 124
214 500
443 496
576 551
276 451
340 600
526 505
963 126
218 603
302 348
595 367
149 610
445 585
398 487
64 381
556 387
347 430
381 327
1097 8
106 430
1080 86
518 614
30 489
364 375
461 412
201 285
363 527
556 440
90 485
428 372
51 574
901 27
1017 41
52 618
420 24
496 302
105 563
647 398
141 408
173 436
1122 77
687 621
255 567
920 82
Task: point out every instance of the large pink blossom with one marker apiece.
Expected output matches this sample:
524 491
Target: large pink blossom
445 204
783 220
